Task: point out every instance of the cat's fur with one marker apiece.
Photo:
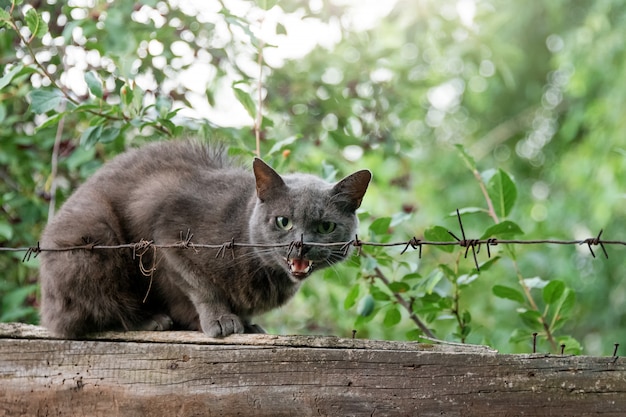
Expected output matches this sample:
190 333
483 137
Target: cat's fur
161 193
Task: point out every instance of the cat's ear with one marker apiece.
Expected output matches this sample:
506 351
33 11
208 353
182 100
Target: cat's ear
351 189
267 180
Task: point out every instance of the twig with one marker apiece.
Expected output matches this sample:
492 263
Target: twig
456 299
404 303
54 164
259 114
520 278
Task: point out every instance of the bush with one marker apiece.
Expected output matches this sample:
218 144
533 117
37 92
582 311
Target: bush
450 104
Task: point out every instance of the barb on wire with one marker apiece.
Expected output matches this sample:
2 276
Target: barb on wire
596 241
346 247
31 252
414 243
185 242
467 244
491 242
228 245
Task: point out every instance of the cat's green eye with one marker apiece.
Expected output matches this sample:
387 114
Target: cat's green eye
326 227
284 223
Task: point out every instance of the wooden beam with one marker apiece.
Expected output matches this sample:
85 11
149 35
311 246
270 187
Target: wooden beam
186 373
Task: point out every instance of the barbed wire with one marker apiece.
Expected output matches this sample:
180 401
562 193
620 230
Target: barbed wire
413 243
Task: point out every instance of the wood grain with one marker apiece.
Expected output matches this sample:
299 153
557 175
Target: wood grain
187 374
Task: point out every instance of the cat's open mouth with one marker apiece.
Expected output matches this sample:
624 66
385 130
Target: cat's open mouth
300 267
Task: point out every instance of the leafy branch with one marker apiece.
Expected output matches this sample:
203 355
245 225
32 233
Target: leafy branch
503 189
428 298
44 101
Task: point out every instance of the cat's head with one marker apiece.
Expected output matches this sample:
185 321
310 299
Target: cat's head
304 208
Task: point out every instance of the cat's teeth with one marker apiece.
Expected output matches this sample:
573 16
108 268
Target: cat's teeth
300 268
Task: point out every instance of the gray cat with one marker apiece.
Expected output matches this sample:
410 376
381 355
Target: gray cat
164 192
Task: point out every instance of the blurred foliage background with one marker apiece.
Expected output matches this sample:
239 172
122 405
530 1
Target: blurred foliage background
534 90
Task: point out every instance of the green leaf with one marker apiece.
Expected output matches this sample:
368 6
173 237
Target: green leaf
91 136
14 300
466 279
6 231
399 287
245 99
503 193
532 319
280 29
520 336
467 210
94 84
488 264
572 346
267 4
378 295
553 291
365 306
448 272
440 234
81 156
380 226
413 335
163 105
392 317
567 303
352 296
51 121
368 263
5 17
8 77
109 134
469 161
506 228
508 293
429 284
280 145
127 95
35 23
42 101
467 317
412 276
236 151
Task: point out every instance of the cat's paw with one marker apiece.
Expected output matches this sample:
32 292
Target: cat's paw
225 325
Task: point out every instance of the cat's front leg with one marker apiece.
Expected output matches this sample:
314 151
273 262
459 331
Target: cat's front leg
211 304
215 318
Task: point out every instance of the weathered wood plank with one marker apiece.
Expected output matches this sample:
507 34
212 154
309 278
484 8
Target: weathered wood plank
265 375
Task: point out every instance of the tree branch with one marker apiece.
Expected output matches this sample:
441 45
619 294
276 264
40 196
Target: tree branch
404 303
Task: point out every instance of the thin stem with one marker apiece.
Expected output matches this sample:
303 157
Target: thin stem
54 163
483 188
404 303
520 278
259 114
533 305
456 309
